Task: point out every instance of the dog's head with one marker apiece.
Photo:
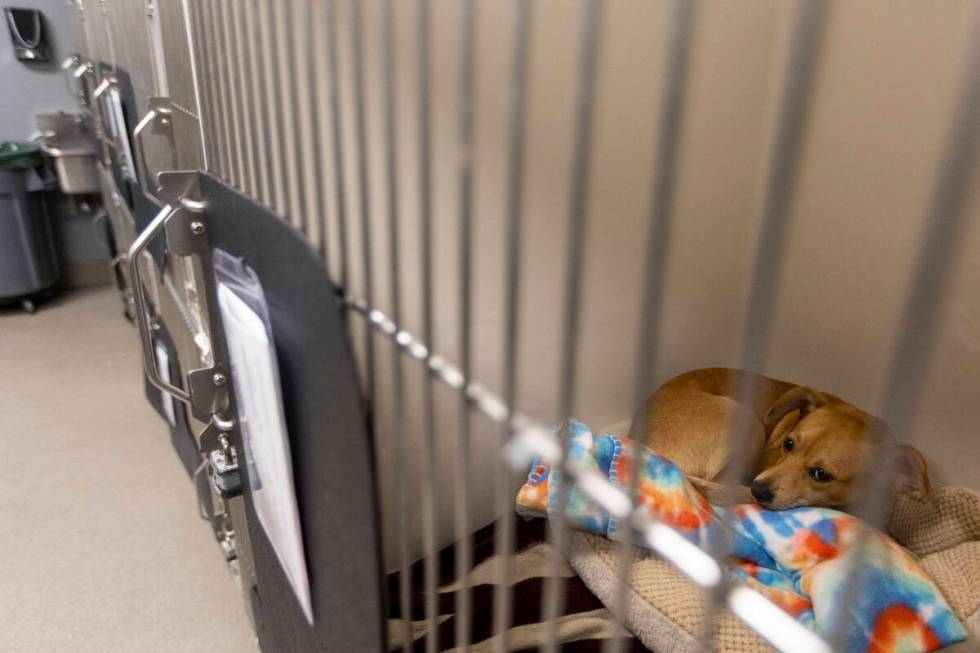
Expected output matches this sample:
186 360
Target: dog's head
818 450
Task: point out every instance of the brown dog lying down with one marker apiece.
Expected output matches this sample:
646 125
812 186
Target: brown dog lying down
807 448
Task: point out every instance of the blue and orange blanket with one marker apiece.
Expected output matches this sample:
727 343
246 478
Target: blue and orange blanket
798 558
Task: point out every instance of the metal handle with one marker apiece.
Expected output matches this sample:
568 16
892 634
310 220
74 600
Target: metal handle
141 167
71 65
159 117
139 297
100 112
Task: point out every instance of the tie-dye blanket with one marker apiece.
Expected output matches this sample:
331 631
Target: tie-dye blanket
798 558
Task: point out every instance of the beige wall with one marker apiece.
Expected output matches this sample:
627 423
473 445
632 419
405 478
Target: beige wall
883 96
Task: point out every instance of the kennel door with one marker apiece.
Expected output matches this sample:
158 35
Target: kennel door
331 448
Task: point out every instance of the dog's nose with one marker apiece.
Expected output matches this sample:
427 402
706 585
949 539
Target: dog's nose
761 492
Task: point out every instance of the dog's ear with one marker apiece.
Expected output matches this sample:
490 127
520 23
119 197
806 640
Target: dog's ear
911 473
799 398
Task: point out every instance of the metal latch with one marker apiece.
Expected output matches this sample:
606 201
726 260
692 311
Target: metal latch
225 477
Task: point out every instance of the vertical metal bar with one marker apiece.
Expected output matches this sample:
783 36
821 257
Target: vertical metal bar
203 70
364 185
464 541
512 264
808 18
680 21
430 475
944 225
259 122
155 37
224 94
107 24
945 222
574 263
210 61
194 51
320 199
403 507
242 94
289 118
233 89
783 164
333 55
220 122
304 130
268 82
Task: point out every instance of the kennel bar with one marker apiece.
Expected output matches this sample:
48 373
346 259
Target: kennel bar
516 155
248 38
783 164
220 99
591 17
225 97
228 28
364 203
194 53
200 66
303 108
266 50
211 117
431 567
340 185
467 154
288 136
236 82
679 27
316 100
397 372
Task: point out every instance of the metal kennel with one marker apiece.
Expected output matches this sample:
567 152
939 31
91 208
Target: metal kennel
332 146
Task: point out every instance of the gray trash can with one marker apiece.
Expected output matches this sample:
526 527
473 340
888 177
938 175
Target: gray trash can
28 262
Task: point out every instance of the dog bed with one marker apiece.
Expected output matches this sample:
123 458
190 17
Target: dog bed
666 608
584 624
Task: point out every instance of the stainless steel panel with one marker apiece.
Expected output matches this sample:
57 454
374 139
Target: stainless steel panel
76 14
127 22
97 35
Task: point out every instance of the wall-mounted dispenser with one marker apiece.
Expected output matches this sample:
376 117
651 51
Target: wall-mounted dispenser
27 34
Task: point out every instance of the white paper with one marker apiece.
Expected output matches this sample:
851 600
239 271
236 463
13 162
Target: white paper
255 375
117 125
163 365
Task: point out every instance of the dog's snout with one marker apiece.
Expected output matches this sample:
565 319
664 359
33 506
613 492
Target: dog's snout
761 492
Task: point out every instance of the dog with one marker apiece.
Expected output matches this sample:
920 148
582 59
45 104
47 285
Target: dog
804 448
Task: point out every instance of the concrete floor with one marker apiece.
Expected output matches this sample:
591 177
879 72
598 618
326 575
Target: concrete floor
101 547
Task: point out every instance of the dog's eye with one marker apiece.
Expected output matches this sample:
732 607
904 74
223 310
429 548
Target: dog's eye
820 475
788 444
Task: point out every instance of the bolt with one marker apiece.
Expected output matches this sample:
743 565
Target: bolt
218 379
197 228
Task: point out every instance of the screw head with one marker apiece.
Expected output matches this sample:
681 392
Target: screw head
197 228
219 379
